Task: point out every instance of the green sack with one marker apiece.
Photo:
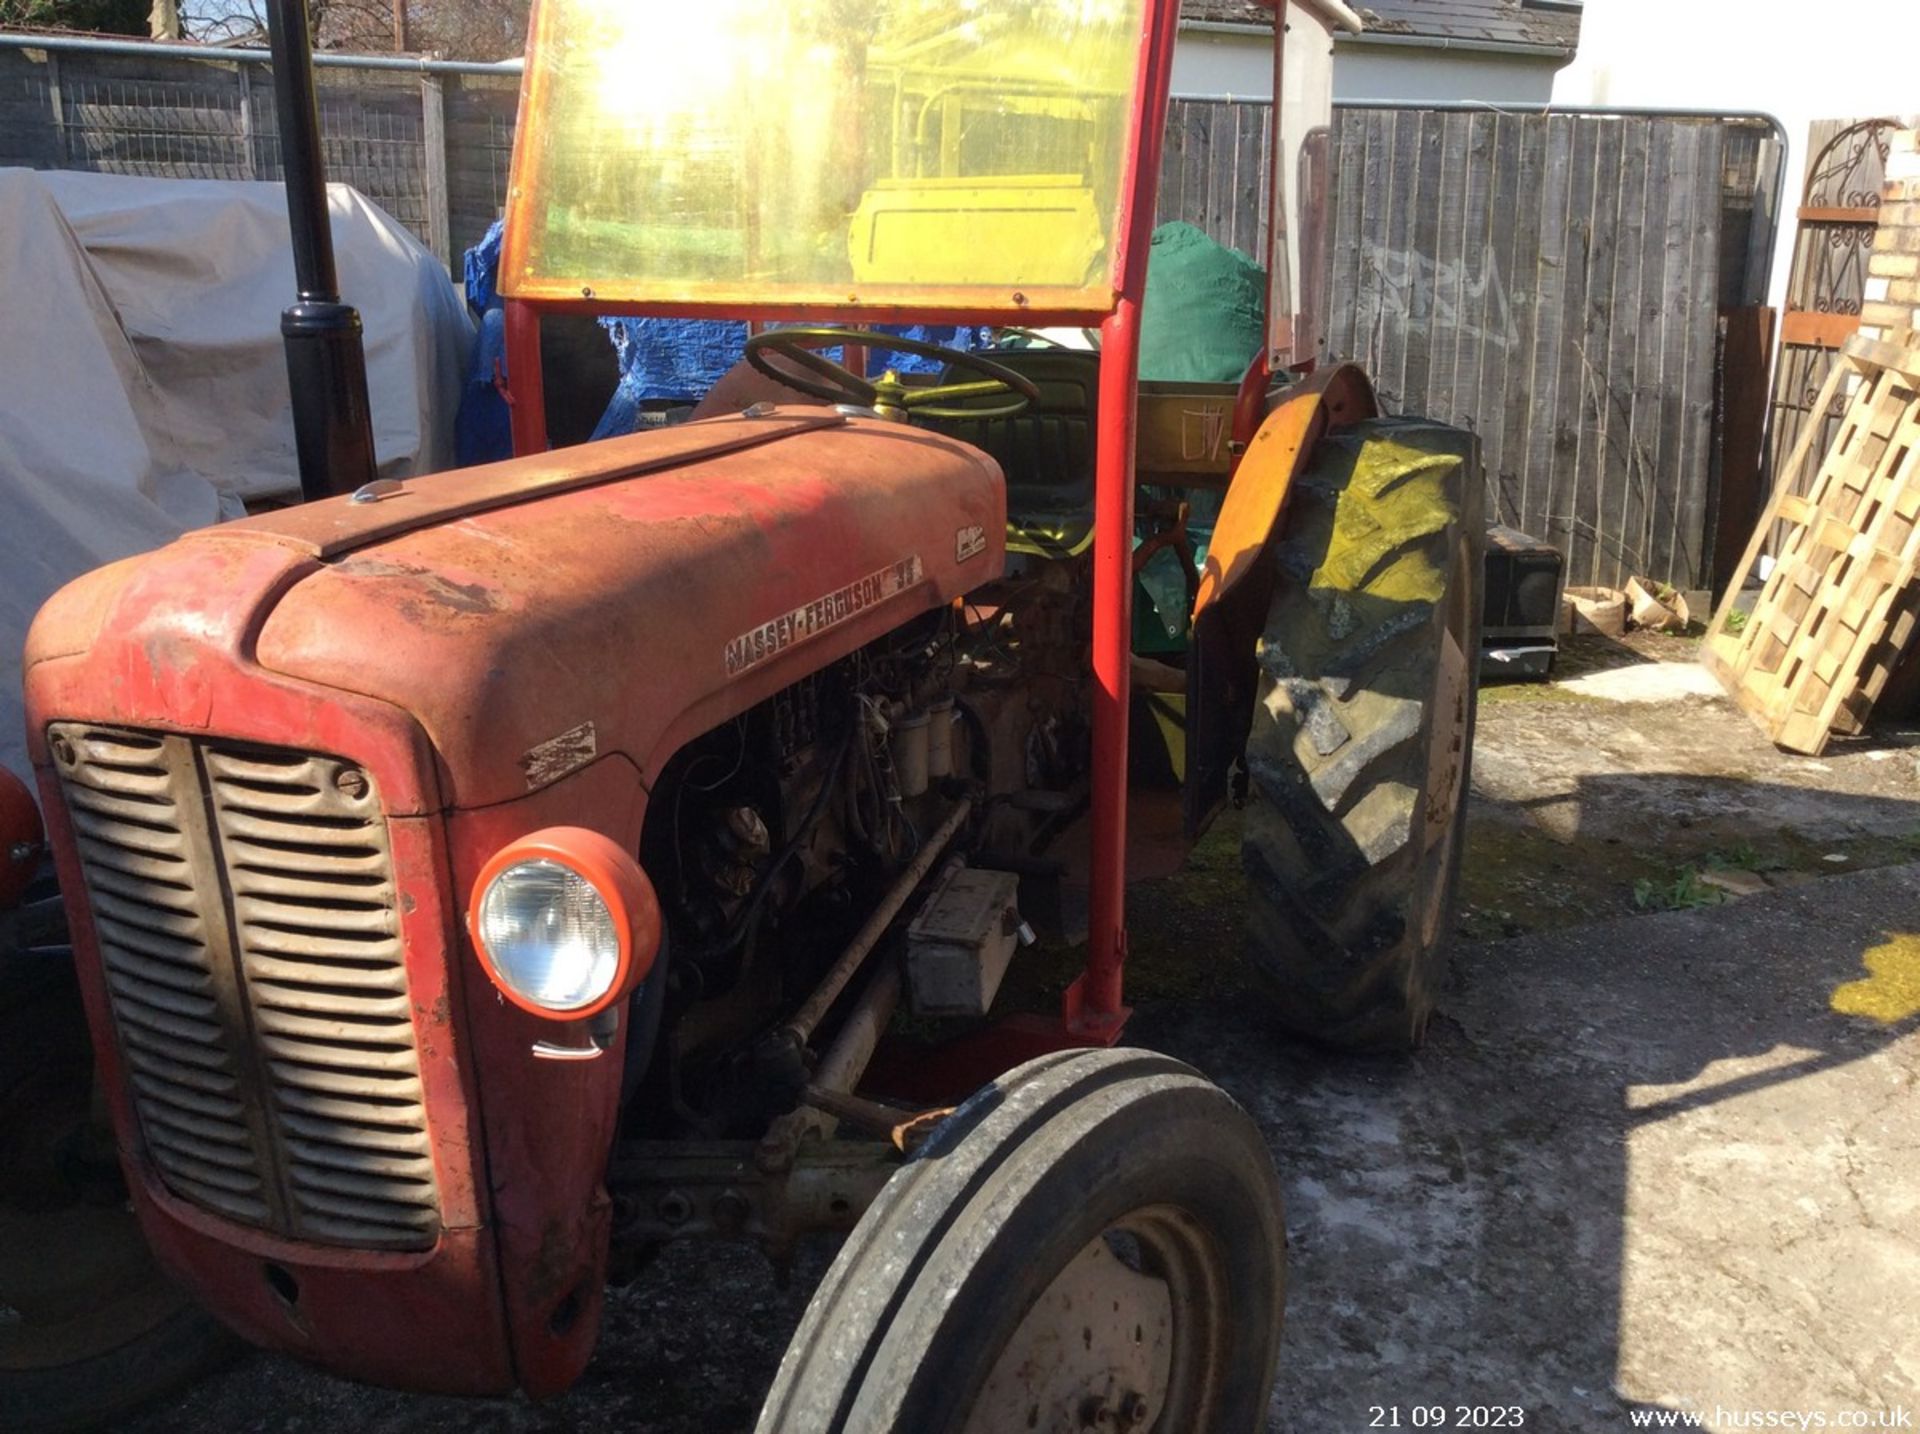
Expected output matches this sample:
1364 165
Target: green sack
1204 317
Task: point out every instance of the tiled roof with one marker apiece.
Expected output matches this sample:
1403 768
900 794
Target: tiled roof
1511 22
1506 22
1226 12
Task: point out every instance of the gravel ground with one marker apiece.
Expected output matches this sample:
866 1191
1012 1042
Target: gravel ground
1642 1164
1654 1161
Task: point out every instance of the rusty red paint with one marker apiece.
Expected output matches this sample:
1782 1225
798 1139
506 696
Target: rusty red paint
743 538
525 388
470 625
549 1124
1092 1002
166 643
395 654
409 1323
337 527
1092 1007
1249 408
20 837
911 1073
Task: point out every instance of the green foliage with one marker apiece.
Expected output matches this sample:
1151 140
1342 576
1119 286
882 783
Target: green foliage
107 17
1680 892
1745 856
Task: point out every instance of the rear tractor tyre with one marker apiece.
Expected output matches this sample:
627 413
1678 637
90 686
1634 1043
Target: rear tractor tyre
90 1328
1362 736
1094 1241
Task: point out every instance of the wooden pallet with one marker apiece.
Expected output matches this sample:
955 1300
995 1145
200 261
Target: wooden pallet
1841 604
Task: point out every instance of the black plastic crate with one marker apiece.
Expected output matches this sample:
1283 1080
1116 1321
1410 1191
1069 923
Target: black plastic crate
1521 612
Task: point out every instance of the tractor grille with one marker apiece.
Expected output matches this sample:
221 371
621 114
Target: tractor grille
245 905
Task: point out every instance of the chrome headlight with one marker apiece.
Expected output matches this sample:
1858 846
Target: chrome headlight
565 921
550 934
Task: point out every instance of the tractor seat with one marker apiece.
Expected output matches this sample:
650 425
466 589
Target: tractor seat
1045 452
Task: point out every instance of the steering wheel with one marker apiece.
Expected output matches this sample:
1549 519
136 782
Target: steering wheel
820 377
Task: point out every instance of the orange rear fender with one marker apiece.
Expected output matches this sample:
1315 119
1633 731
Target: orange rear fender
1230 607
1335 397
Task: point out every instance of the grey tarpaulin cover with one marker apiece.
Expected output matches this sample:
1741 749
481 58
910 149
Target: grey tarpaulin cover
145 390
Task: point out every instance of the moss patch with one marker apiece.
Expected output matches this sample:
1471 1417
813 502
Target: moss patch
1403 493
1531 693
1516 879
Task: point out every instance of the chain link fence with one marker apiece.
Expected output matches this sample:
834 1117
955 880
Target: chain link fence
429 144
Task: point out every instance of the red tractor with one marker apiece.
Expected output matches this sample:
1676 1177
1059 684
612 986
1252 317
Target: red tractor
478 880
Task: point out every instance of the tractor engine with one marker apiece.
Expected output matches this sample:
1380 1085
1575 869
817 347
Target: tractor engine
770 838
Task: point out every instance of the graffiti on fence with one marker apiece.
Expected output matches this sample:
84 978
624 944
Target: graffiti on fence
1464 295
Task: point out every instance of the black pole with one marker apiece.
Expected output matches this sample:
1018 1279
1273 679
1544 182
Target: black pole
326 363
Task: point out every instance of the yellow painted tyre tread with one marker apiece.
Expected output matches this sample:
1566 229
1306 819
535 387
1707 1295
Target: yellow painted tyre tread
1362 731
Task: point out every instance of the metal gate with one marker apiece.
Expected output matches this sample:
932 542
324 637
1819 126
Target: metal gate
1839 210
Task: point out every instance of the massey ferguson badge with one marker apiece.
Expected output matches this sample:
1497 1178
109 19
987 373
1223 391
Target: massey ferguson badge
817 616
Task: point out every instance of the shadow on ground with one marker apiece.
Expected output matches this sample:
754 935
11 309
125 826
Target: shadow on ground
1660 1161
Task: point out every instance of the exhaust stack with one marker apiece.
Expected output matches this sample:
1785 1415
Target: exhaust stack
326 361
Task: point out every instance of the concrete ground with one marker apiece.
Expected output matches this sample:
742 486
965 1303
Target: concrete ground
1658 1154
1631 784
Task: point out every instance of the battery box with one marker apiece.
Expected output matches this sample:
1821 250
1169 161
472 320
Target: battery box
959 945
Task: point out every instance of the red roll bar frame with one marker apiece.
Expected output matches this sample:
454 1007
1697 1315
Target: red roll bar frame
1093 1012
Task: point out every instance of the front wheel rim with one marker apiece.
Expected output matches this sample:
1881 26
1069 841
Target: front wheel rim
1130 1335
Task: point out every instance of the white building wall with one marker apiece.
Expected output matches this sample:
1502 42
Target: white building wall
1241 64
1841 59
1211 63
1408 74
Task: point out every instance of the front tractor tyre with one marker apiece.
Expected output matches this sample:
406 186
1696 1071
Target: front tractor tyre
1362 734
1094 1241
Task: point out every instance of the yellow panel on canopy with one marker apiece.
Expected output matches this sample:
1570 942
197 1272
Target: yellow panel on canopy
844 154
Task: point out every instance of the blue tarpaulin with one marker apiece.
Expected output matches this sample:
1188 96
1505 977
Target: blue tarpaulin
482 433
675 360
678 360
661 360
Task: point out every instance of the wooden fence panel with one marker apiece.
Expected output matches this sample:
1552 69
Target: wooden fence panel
118 121
1213 170
206 118
480 121
1555 282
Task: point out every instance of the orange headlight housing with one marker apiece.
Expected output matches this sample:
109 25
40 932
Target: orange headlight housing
565 922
